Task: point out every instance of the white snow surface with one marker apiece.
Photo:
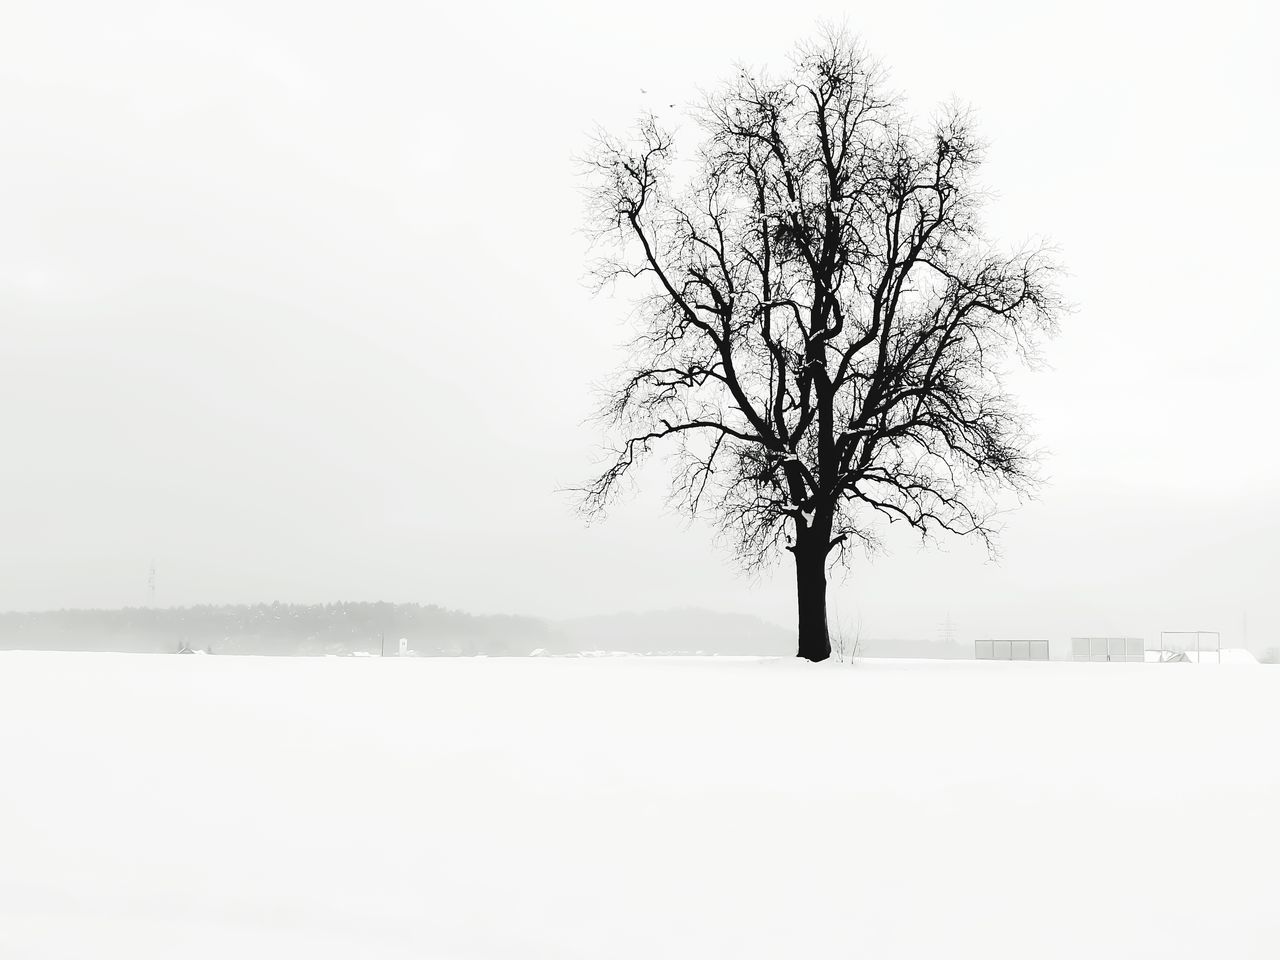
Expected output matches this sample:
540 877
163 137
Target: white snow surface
1232 655
619 808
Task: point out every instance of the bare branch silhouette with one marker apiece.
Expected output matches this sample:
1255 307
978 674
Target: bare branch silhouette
825 323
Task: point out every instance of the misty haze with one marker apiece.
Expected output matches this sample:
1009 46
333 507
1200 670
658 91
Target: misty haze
567 480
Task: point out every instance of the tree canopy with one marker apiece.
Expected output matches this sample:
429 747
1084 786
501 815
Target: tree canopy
823 322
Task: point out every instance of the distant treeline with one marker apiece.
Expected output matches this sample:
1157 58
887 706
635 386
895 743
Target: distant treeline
285 629
915 649
278 629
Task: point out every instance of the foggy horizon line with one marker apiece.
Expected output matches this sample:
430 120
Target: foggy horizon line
676 608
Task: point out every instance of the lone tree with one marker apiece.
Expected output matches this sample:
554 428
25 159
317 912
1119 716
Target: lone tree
824 324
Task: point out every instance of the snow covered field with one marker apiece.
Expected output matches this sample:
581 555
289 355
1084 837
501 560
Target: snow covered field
608 809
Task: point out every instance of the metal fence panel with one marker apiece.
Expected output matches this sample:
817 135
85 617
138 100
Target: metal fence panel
1108 649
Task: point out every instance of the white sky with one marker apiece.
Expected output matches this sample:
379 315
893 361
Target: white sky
291 300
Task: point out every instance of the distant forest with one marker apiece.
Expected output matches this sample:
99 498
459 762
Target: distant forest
373 629
280 629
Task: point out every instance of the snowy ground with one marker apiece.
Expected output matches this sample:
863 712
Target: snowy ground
609 809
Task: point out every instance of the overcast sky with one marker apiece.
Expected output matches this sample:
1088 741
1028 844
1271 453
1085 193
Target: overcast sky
292 301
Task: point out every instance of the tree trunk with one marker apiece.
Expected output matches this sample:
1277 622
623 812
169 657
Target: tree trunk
811 599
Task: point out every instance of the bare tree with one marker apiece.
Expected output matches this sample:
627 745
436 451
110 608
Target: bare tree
823 324
845 645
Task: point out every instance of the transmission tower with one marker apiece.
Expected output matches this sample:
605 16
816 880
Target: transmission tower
151 585
947 630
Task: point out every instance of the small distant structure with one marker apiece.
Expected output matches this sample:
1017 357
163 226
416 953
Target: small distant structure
1108 650
1037 649
1197 646
186 648
1176 646
404 647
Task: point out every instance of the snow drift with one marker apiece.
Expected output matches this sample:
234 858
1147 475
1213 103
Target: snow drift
207 807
